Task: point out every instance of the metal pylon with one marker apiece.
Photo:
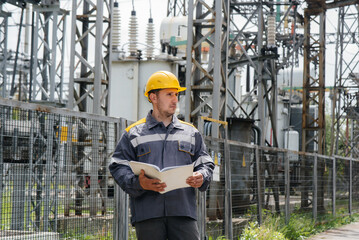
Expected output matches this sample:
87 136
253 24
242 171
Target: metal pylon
90 55
48 55
249 49
313 124
207 87
176 8
4 52
345 115
313 115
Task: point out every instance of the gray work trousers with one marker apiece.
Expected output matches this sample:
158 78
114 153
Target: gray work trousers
171 228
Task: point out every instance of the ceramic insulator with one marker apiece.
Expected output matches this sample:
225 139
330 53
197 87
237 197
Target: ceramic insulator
133 34
271 31
116 27
150 39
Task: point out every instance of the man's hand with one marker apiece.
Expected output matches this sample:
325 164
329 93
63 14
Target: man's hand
196 180
151 184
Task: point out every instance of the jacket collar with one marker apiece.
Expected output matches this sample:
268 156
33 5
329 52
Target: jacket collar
152 122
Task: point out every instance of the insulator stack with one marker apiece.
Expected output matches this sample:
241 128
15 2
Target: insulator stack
150 39
271 31
116 27
133 34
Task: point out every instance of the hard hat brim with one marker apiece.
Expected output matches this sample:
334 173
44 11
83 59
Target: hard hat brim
181 89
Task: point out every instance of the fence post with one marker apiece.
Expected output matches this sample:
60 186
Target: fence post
94 187
116 195
259 187
121 214
201 211
68 166
2 120
29 176
334 185
49 124
121 201
315 187
228 189
350 186
287 188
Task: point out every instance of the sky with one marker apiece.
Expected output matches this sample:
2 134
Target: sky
142 8
158 8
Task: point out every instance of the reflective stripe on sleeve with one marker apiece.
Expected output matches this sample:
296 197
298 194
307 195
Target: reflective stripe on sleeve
159 137
120 161
201 160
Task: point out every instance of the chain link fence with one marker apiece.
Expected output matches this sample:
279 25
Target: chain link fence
55 182
278 181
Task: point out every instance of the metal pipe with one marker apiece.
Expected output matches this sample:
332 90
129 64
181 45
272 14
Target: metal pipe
2 118
259 186
350 186
287 187
201 211
259 133
228 188
315 187
334 186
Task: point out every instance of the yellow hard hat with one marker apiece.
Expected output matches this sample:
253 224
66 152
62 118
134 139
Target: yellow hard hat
162 80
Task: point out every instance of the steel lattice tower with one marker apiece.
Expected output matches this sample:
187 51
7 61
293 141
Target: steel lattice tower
346 87
207 87
48 55
208 90
4 51
176 8
90 73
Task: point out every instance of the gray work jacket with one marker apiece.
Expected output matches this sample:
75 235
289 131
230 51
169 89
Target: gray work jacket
151 142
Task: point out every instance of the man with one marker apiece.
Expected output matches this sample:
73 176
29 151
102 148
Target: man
163 140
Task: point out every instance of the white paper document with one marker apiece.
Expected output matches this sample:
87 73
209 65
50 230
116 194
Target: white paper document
174 177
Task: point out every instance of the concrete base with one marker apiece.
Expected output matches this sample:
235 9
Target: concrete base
27 235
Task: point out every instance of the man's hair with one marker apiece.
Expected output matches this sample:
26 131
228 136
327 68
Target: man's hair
155 91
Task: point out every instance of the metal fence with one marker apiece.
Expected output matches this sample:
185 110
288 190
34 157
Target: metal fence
279 181
55 182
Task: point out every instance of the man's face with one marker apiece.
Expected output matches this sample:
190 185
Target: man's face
166 101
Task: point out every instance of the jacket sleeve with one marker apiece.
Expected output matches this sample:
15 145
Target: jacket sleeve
203 163
120 168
